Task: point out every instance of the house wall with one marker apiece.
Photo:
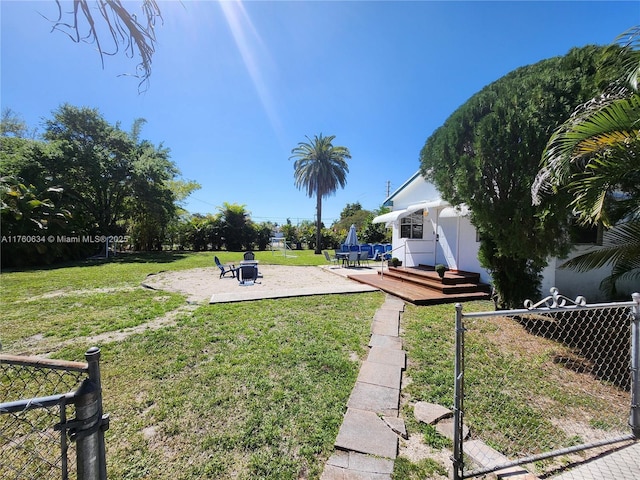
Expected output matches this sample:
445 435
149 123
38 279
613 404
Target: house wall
549 280
469 247
418 190
447 242
414 252
572 283
418 252
457 247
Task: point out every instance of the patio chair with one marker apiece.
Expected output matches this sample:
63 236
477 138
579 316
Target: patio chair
367 247
353 258
224 269
329 258
341 256
363 257
247 274
249 256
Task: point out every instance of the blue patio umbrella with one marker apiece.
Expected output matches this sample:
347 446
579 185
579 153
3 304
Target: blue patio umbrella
352 236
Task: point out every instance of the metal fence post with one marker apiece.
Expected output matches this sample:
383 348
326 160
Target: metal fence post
458 396
89 424
634 417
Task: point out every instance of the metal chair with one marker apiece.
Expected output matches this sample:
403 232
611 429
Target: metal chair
247 274
329 258
224 269
363 257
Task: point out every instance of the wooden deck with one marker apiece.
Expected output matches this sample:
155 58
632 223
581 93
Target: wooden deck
421 285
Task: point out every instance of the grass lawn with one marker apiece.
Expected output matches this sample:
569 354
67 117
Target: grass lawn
88 298
244 390
517 398
258 389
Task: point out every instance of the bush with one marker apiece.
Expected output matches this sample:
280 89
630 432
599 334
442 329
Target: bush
395 262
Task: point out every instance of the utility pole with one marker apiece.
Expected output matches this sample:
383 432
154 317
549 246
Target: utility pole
388 188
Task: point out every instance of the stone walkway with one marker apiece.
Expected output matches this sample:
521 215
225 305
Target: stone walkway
367 442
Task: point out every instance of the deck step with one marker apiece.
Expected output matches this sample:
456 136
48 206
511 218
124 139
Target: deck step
436 283
451 277
423 288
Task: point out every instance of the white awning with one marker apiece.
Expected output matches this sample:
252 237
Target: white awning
391 217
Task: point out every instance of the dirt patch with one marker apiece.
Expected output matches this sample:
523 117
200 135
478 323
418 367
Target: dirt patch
199 284
64 293
415 450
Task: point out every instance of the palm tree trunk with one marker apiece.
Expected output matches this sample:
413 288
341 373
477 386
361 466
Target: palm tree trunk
318 250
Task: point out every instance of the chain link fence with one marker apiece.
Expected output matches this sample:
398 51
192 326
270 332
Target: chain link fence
560 393
51 422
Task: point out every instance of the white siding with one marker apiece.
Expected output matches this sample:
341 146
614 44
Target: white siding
416 191
457 247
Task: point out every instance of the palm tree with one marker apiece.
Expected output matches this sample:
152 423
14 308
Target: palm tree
596 156
320 167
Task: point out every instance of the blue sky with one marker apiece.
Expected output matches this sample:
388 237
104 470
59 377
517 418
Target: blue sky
235 86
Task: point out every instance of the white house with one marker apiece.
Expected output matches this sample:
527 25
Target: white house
427 231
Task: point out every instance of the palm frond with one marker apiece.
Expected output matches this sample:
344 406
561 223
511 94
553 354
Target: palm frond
630 40
120 26
610 130
621 247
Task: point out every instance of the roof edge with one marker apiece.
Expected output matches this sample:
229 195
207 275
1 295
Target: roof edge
389 200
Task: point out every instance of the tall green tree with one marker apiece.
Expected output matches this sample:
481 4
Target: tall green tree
376 232
262 236
113 182
487 154
110 181
11 124
237 229
31 204
94 167
201 232
320 168
26 159
290 232
151 204
352 213
595 156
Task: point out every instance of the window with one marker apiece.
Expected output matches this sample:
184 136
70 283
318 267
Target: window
586 234
411 226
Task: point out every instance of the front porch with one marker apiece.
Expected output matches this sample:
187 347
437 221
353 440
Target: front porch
421 285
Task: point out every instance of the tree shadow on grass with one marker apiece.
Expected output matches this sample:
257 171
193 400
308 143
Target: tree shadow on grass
599 340
122 258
